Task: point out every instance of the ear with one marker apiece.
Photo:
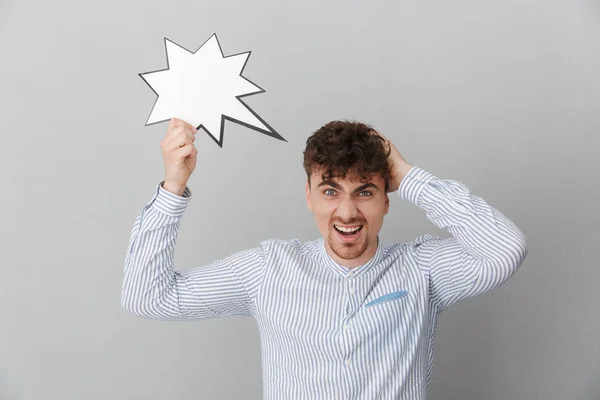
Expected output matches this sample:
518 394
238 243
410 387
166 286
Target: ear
387 204
308 202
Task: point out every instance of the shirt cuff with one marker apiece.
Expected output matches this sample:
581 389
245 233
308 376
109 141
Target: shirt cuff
169 203
413 183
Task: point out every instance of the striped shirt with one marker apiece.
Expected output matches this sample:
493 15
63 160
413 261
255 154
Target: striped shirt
327 331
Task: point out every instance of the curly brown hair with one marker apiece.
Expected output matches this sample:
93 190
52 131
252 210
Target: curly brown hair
351 148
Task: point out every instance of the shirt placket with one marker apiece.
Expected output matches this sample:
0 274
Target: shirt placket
352 301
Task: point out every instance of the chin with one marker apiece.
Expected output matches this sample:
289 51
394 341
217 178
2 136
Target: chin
348 249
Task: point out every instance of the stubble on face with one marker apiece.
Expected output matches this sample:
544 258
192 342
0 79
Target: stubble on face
348 251
343 250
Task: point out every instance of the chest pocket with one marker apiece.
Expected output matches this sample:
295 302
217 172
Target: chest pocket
393 296
388 308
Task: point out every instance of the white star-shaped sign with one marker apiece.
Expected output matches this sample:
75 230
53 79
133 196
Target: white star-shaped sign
204 88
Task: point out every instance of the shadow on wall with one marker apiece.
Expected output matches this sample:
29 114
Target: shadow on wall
5 392
591 387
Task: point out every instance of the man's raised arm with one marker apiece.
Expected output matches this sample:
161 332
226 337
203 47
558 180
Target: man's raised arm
153 289
486 248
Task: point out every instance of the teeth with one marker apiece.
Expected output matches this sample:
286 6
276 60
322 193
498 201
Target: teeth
350 229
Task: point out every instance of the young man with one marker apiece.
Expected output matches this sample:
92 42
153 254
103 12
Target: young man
344 316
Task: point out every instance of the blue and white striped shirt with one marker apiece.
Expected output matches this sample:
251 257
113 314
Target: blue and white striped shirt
326 331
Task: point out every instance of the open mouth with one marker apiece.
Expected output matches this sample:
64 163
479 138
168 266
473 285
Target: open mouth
348 231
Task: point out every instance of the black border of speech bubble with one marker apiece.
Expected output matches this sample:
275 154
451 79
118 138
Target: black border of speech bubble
271 132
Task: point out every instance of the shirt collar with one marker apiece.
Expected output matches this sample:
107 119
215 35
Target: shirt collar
345 272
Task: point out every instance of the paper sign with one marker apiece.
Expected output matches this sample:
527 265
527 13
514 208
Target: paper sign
204 88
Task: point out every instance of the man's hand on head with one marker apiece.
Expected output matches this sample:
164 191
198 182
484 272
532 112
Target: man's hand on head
399 167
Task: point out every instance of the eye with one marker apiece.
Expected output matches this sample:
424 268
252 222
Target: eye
329 192
367 193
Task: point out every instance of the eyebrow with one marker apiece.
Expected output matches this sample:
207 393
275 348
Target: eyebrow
358 189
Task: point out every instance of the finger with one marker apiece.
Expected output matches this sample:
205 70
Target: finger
192 128
188 134
178 134
176 122
174 145
381 134
184 151
182 141
184 130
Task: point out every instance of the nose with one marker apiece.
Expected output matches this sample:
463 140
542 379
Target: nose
347 210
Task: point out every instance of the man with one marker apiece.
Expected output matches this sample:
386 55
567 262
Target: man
344 316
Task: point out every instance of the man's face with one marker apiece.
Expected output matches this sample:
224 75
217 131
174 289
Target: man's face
349 215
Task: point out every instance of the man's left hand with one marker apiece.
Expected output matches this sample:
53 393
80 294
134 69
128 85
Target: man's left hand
399 167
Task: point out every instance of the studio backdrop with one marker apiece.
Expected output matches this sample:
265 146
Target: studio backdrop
501 96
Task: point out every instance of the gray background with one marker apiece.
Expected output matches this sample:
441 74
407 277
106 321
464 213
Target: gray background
503 96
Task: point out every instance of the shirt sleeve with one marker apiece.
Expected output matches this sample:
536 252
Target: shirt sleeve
153 289
485 249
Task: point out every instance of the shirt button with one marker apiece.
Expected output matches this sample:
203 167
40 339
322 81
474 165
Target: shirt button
348 362
352 290
346 326
350 274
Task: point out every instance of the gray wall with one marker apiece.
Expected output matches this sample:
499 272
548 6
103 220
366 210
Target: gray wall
502 96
